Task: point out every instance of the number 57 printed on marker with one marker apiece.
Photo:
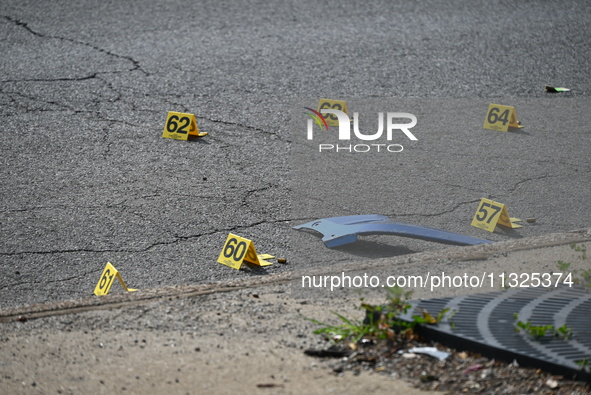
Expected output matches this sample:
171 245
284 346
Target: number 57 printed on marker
489 214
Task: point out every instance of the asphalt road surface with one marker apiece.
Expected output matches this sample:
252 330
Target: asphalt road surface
86 176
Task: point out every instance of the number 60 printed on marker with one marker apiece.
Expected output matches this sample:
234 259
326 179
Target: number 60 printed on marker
234 251
237 250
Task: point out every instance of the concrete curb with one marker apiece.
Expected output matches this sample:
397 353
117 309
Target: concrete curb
457 254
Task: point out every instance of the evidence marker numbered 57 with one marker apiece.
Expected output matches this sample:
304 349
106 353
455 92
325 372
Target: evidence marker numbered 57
489 214
180 126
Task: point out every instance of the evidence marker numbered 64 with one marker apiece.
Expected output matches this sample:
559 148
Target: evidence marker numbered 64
501 118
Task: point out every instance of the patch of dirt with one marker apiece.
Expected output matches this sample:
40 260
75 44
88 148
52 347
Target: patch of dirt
460 372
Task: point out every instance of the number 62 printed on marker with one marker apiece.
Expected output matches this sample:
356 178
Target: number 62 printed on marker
180 126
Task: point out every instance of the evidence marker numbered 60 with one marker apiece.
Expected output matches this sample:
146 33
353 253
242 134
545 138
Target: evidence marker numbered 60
180 126
237 250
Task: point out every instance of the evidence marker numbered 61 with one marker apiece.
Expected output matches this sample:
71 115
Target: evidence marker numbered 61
501 118
237 250
180 126
106 281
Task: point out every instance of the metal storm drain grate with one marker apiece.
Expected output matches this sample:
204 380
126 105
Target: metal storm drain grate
485 323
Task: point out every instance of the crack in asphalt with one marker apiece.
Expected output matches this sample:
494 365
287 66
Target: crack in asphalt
248 127
249 193
453 185
518 183
13 95
51 281
66 108
24 25
120 204
437 214
148 248
225 230
229 123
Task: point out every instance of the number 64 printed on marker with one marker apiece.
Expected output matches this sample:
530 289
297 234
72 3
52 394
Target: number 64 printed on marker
501 118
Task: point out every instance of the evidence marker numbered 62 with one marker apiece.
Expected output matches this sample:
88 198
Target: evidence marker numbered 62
180 126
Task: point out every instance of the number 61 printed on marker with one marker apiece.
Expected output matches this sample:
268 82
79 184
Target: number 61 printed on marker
106 281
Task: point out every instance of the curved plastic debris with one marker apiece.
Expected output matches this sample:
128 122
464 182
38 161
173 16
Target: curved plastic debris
338 231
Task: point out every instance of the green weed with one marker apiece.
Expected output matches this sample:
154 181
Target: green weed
583 277
584 365
540 331
381 322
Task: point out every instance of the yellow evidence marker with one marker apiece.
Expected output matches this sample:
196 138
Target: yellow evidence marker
180 126
237 250
489 214
501 118
332 119
104 285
